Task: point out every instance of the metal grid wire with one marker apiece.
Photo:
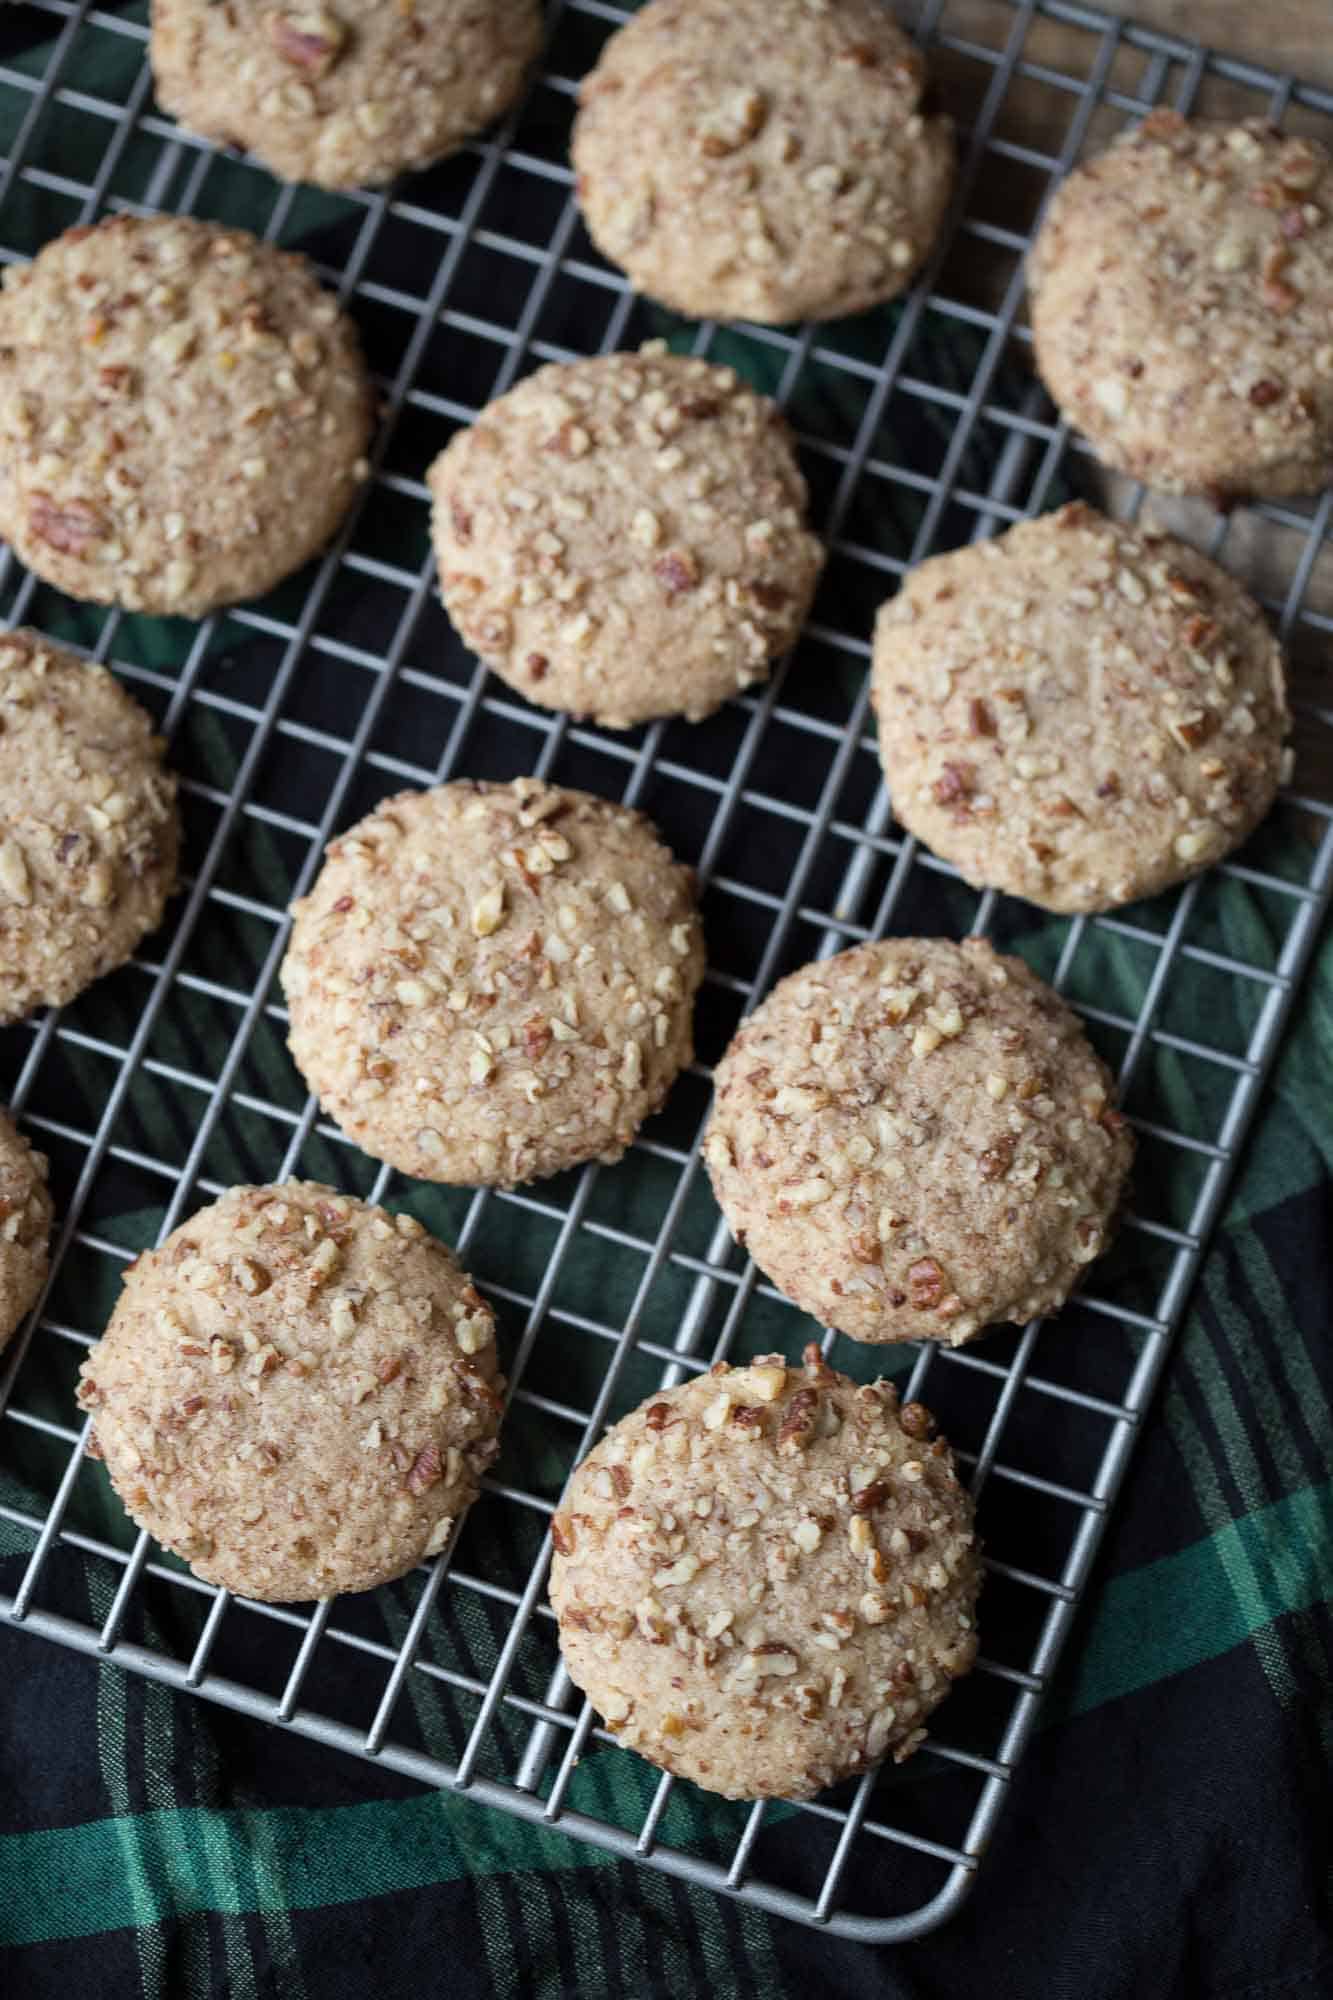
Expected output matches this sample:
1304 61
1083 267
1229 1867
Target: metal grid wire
920 427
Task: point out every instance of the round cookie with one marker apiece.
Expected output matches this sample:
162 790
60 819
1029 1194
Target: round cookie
25 1224
183 412
88 828
622 537
296 1392
762 159
1077 712
489 983
1182 307
914 1139
765 1579
342 95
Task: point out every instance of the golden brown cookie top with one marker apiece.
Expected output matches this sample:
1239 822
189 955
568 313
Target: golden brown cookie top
88 828
765 1579
1078 712
183 413
914 1139
342 94
297 1392
762 159
489 983
624 537
1181 293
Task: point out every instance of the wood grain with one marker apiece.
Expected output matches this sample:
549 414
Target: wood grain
1295 36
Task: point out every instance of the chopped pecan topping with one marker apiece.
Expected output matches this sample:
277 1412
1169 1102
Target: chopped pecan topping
562 1534
867 1498
657 1415
427 1469
996 1161
73 529
536 1037
799 1422
677 571
311 42
955 783
916 1420
925 1280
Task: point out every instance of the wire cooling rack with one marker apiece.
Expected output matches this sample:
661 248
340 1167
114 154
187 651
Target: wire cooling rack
920 427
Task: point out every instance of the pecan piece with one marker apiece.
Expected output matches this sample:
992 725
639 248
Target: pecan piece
312 42
996 1161
955 783
799 1422
74 529
677 571
925 1282
562 1534
426 1469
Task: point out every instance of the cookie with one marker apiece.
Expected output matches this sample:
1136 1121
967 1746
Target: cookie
183 413
1077 712
914 1140
347 94
25 1225
297 1393
489 983
88 828
762 159
622 537
1182 307
765 1579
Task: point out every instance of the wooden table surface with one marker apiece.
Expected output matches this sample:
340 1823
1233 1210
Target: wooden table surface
1292 35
